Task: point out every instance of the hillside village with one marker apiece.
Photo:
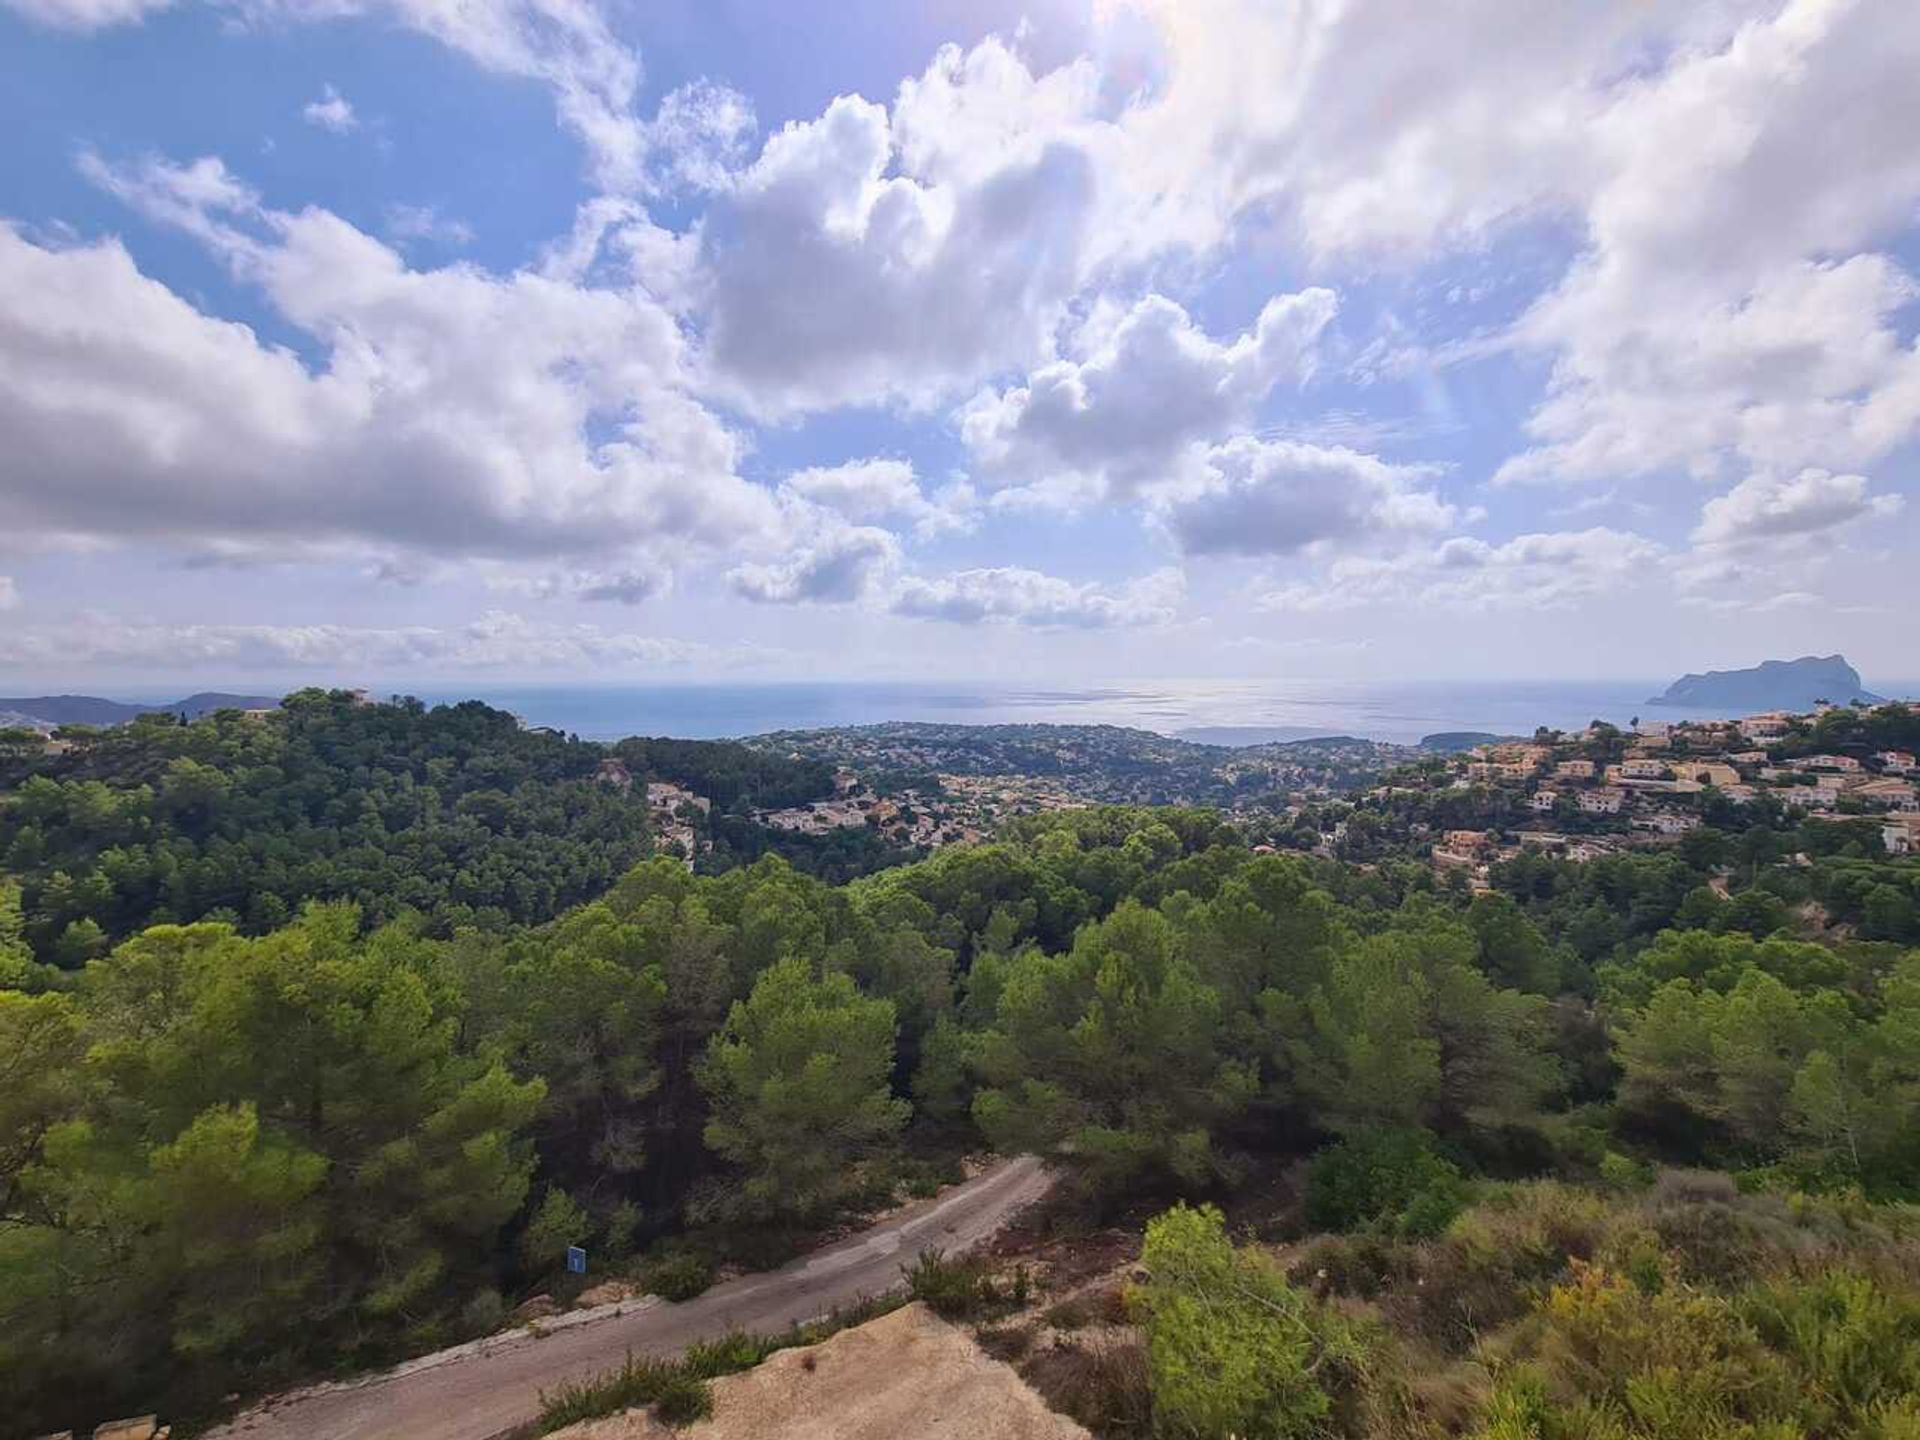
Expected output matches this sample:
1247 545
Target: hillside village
1580 795
920 786
1603 790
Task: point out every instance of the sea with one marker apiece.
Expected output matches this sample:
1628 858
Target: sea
1208 711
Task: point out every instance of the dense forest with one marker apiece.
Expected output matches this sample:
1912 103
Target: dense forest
455 813
230 1159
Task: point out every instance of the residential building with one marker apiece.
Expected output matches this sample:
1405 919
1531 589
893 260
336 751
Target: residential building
1544 800
1640 769
1885 790
1669 822
1895 762
1574 770
1604 801
1707 772
1843 763
1901 834
1769 726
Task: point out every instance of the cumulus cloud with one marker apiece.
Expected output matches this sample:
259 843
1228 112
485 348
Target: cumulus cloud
9 593
1732 309
332 111
1538 571
455 411
1255 497
836 277
882 489
1013 595
1763 509
494 640
837 566
1149 384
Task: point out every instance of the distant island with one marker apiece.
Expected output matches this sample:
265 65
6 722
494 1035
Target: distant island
92 710
1772 685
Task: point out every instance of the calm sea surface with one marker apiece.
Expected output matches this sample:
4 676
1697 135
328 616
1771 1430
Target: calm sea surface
1222 712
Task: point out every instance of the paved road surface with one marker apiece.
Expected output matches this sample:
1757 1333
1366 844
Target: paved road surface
478 1391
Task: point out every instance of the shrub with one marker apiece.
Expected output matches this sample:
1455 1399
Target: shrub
1495 1258
1623 1172
1103 1385
963 1289
1091 1307
1232 1348
683 1399
678 1275
483 1313
734 1351
1391 1179
1005 1342
640 1381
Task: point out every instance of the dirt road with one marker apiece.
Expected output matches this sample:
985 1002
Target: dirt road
480 1390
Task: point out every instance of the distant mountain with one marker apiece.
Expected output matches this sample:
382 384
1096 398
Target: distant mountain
1771 685
92 710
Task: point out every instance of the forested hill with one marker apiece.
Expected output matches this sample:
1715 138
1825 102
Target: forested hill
230 1161
456 812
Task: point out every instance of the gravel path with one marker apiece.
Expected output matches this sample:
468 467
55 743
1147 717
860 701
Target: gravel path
483 1389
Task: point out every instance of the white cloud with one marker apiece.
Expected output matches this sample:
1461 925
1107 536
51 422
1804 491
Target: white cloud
495 640
423 222
698 138
565 44
836 566
1028 597
332 111
1149 384
1256 497
1764 509
1272 111
1537 572
623 587
836 278
861 489
1731 311
451 414
883 489
85 15
9 593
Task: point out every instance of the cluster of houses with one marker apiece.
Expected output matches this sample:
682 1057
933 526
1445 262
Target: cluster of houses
1659 778
907 817
669 810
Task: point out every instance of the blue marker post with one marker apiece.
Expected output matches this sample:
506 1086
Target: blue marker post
576 1260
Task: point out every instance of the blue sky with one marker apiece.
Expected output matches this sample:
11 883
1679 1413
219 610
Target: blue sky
394 342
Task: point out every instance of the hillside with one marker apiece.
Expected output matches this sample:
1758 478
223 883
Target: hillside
1771 685
234 1162
1104 763
454 813
53 710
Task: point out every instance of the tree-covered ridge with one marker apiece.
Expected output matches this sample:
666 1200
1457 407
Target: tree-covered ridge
227 1160
457 812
